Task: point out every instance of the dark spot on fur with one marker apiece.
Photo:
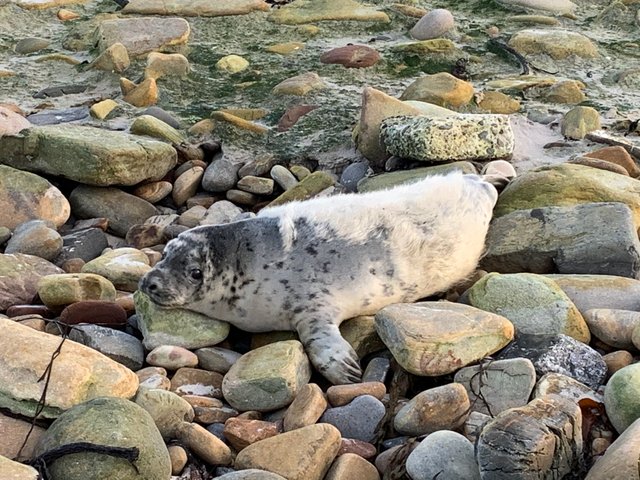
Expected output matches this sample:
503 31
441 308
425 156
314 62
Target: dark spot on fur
279 265
284 282
390 272
311 250
311 296
225 282
298 310
372 271
265 266
233 289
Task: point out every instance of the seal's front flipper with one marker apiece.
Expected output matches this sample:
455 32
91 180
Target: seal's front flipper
331 354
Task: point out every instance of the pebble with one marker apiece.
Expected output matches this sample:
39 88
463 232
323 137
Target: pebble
613 327
145 235
216 359
442 89
358 419
232 64
617 155
620 461
300 85
171 357
256 185
291 116
349 466
281 369
103 109
123 267
114 58
14 431
306 408
242 198
204 444
444 455
310 452
579 121
85 244
186 185
558 44
283 177
60 290
143 34
352 56
377 370
353 174
440 408
166 64
195 381
242 432
178 457
119 346
617 360
31 45
564 386
339 395
220 175
434 24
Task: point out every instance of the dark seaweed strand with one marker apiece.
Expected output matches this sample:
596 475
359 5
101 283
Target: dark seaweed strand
40 462
495 44
46 376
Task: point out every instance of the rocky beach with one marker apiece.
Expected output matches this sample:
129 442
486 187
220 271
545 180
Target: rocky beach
125 123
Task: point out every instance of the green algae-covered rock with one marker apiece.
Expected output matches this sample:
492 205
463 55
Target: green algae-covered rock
154 127
268 377
307 188
88 155
176 326
558 44
113 422
401 177
534 304
67 288
622 397
568 184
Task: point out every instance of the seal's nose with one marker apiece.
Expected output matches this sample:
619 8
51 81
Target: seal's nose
149 284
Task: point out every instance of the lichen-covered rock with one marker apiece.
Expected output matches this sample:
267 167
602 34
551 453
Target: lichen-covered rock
441 89
124 267
89 155
463 137
113 422
63 289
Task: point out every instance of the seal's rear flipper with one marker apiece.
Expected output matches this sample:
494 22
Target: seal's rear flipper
498 173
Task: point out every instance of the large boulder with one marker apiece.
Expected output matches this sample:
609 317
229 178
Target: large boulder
79 373
88 155
110 422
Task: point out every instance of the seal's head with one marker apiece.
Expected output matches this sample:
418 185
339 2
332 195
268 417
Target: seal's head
179 279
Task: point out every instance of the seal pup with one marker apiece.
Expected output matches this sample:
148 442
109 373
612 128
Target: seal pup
309 265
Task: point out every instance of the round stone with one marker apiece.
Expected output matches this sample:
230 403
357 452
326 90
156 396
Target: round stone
433 25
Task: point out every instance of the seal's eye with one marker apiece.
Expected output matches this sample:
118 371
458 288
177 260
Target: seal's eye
195 274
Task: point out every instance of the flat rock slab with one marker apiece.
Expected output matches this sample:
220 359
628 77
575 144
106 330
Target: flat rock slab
16 470
551 6
42 4
26 196
88 155
591 238
436 338
195 8
310 11
600 291
463 137
558 44
540 440
79 373
568 184
145 34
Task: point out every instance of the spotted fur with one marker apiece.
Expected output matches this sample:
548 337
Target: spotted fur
307 266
